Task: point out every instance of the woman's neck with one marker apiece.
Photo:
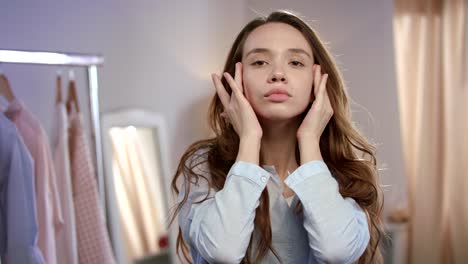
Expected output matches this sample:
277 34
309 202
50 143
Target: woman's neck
278 147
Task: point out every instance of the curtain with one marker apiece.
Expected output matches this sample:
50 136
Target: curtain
431 66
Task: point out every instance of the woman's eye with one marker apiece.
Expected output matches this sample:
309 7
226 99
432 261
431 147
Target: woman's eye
297 63
259 63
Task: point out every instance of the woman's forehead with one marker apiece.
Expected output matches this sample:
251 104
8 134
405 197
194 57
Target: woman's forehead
276 37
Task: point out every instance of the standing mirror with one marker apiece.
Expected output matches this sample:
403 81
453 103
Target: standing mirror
136 166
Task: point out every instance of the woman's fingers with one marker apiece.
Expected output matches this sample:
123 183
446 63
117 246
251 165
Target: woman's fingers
320 82
232 83
238 77
323 101
317 73
220 90
323 83
320 90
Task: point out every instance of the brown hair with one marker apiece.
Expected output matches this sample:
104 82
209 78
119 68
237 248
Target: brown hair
348 155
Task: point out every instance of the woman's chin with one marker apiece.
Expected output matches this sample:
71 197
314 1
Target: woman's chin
277 117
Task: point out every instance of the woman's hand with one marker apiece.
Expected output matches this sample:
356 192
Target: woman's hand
237 109
316 120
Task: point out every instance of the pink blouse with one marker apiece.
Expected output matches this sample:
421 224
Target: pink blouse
49 213
93 240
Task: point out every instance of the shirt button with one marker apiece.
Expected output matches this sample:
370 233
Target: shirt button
263 178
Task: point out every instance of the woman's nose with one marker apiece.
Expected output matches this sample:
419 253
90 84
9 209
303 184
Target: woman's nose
277 76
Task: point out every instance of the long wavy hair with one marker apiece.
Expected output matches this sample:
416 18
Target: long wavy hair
349 156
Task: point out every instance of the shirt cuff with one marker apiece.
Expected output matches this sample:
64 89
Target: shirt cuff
316 169
250 171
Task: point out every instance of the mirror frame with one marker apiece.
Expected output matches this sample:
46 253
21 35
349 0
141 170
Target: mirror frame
137 118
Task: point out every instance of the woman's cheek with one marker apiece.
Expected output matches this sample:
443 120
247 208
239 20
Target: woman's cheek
250 97
247 86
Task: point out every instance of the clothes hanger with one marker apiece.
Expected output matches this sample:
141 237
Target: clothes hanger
72 99
5 88
58 95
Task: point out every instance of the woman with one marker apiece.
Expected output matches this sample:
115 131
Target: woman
287 177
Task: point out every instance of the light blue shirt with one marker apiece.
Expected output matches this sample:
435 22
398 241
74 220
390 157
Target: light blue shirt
331 229
18 215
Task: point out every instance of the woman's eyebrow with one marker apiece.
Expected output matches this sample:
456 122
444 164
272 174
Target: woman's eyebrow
257 50
264 50
300 51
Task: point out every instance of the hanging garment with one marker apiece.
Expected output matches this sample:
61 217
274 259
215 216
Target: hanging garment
93 239
49 214
67 248
18 219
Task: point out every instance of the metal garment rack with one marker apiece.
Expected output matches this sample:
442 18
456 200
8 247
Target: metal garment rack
89 61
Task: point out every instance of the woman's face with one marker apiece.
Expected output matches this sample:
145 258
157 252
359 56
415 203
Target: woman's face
277 56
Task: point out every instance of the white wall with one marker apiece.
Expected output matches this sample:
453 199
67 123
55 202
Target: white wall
159 56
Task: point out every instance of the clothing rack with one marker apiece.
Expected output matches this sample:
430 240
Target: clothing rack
91 62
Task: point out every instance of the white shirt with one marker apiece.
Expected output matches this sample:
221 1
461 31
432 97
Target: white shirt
331 229
66 237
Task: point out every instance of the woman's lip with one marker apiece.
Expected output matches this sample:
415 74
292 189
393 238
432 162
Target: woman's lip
278 97
277 91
